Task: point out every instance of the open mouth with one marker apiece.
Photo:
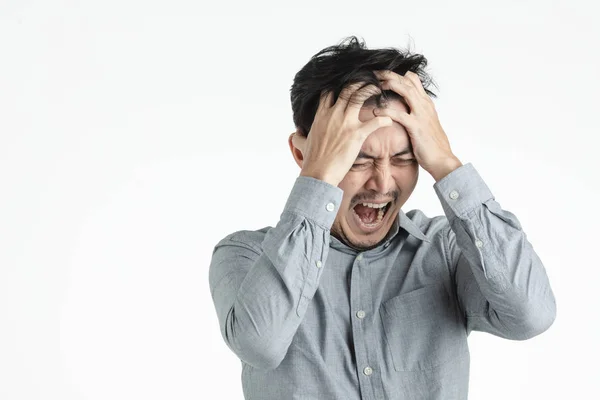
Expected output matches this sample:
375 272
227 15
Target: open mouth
370 216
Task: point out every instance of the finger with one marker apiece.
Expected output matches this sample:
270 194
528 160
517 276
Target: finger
358 99
360 96
384 75
372 125
405 119
389 77
408 92
416 82
410 80
346 95
325 101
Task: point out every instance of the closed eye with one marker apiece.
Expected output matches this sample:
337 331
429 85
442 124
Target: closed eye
360 165
399 161
405 160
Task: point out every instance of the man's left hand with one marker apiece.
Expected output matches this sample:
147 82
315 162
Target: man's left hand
429 141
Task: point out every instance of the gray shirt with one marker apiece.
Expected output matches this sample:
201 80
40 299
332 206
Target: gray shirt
312 318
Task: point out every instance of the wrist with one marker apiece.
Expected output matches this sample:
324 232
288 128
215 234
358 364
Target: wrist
320 176
444 168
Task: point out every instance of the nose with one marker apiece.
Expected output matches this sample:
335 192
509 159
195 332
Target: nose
381 179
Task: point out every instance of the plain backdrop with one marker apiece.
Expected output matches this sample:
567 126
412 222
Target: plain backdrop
134 135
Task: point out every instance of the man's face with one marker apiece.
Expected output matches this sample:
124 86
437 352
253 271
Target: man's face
388 176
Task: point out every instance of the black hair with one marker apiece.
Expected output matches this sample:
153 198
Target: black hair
335 67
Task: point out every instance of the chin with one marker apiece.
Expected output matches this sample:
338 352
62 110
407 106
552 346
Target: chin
362 241
367 244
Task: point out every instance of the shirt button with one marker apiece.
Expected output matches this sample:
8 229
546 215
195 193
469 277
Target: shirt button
479 243
359 257
367 371
360 314
330 207
454 195
319 264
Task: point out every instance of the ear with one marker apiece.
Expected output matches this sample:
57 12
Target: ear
297 143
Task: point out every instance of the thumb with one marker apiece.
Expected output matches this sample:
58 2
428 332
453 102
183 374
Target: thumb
372 125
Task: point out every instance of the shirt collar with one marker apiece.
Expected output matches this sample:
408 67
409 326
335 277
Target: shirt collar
409 226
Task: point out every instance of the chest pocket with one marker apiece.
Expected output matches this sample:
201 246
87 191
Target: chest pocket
423 329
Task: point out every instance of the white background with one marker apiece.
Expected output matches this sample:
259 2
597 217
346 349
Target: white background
136 134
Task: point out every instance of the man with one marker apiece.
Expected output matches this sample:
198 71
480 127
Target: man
348 297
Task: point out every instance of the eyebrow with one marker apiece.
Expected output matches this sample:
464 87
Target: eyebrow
362 154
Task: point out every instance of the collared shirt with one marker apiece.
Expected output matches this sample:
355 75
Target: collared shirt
312 318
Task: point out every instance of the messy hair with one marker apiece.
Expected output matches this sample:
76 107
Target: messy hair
335 67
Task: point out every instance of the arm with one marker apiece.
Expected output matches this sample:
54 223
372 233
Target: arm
501 283
502 286
261 291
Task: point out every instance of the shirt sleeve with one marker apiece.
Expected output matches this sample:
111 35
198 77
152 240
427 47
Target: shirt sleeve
261 289
501 283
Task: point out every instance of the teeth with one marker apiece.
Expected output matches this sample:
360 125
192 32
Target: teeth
373 205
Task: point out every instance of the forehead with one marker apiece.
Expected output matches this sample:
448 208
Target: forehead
389 139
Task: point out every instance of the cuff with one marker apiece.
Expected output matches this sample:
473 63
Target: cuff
315 199
461 191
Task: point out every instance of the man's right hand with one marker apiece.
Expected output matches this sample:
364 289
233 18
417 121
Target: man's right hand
337 135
